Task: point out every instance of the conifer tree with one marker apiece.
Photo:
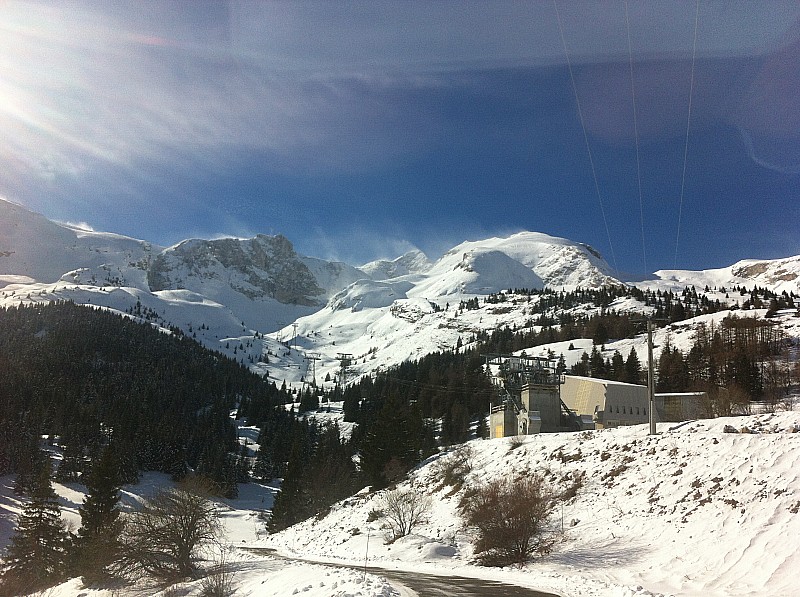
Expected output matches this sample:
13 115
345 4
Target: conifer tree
617 369
633 369
388 448
98 537
28 461
37 556
290 504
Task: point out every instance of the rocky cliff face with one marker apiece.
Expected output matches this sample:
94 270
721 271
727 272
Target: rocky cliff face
264 266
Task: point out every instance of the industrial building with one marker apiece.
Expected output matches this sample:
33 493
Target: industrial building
528 399
614 403
533 398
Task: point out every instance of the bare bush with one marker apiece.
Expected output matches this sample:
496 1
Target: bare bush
219 580
515 442
451 470
163 537
507 516
402 510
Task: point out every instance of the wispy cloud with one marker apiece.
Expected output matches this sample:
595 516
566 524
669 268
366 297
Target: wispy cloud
91 84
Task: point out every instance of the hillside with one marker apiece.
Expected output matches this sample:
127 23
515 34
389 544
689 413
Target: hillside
703 508
777 274
290 317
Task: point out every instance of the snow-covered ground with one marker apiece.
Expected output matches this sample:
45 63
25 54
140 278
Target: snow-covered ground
694 510
243 524
708 507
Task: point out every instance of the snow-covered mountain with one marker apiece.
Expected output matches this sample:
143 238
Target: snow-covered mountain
262 280
413 262
778 275
33 248
560 263
260 295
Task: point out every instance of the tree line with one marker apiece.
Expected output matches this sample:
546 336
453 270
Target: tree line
86 377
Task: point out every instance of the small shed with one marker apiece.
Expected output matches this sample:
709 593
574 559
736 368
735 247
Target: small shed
682 406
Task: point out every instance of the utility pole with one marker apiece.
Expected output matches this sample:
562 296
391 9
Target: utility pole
651 377
651 373
294 325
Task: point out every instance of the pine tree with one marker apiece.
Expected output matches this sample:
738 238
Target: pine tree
289 506
617 369
97 542
388 449
308 401
633 369
28 460
37 556
597 366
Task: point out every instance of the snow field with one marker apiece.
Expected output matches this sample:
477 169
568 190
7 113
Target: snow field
691 511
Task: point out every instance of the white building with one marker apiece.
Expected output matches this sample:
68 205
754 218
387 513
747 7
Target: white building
614 403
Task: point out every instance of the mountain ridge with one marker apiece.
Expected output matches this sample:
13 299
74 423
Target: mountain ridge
258 300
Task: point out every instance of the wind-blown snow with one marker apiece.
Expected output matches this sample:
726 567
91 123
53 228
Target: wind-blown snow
413 262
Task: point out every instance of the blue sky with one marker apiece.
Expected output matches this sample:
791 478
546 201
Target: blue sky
362 129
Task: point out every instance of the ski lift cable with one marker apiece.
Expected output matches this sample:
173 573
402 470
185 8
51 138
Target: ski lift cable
636 136
585 136
688 123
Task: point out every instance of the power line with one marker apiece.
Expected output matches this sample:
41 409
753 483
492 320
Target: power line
437 387
636 136
585 137
688 122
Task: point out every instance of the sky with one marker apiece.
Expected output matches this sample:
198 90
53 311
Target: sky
360 130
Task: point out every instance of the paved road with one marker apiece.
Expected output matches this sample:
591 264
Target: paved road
430 585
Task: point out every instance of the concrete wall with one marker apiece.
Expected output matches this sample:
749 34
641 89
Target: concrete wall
611 403
502 423
544 399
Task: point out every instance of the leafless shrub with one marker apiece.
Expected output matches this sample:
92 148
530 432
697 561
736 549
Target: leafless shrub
507 516
402 511
451 470
163 537
219 581
515 441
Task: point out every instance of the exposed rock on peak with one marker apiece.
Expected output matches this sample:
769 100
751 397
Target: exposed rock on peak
264 266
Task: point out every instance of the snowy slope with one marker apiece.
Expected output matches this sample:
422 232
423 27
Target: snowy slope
694 510
559 262
33 248
413 262
251 575
706 508
778 275
475 270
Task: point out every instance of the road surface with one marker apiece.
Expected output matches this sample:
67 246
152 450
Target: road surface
431 585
